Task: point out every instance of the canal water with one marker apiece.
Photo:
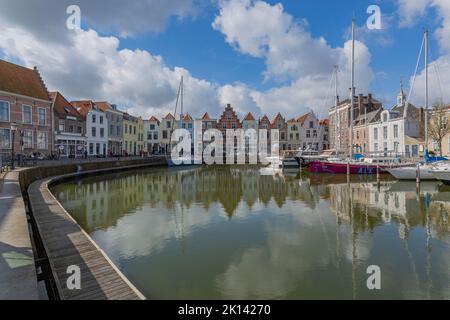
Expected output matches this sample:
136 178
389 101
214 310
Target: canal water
241 233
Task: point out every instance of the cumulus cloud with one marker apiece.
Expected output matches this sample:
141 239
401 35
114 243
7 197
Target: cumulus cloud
87 64
439 67
291 55
46 18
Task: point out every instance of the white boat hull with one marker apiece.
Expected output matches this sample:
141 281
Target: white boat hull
410 173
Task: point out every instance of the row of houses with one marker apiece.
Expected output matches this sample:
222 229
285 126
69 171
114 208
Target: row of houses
399 130
306 132
34 121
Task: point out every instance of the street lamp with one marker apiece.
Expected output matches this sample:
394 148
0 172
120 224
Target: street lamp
13 130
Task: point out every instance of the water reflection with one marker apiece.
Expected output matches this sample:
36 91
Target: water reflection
225 232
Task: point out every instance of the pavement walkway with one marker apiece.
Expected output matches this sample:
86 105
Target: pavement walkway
18 280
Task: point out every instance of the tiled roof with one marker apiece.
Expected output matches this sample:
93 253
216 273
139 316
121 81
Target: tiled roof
249 117
62 106
103 105
23 81
303 118
277 117
169 116
83 107
187 117
324 122
154 119
206 117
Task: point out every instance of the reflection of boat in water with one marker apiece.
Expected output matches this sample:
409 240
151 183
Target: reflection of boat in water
408 186
330 179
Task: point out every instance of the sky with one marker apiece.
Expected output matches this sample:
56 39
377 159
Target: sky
261 56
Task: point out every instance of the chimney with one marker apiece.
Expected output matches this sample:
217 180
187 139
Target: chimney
361 104
337 99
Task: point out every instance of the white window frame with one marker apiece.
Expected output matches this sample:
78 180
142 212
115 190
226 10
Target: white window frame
9 111
10 140
32 139
45 117
37 140
23 114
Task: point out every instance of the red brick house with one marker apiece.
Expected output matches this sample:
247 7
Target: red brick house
228 120
25 105
70 128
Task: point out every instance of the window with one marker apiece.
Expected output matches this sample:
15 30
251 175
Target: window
91 148
28 139
155 136
111 129
42 140
94 131
308 133
118 130
375 134
134 130
62 125
149 136
396 131
5 138
311 124
152 127
102 132
126 129
101 119
71 128
80 130
385 133
41 116
189 125
97 149
165 134
375 147
168 124
315 133
27 114
94 118
4 111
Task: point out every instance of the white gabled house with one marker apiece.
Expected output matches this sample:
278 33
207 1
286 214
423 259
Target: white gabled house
399 131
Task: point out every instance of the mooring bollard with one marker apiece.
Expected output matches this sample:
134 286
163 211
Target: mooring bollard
418 177
378 174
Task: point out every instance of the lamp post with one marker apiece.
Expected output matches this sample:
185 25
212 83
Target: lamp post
13 131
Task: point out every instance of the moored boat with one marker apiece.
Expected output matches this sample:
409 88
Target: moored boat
442 173
344 167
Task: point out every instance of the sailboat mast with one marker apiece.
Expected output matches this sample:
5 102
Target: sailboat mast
182 96
352 90
336 102
426 89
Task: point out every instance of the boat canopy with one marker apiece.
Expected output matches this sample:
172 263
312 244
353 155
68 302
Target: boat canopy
429 159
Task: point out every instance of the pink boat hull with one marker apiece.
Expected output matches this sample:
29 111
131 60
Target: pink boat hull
341 168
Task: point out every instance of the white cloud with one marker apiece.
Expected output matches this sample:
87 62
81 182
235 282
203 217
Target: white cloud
46 18
266 31
85 64
411 10
439 68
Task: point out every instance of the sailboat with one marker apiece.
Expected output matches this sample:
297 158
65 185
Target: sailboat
429 168
185 160
355 164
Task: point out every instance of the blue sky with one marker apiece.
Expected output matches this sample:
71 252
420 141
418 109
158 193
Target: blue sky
240 61
195 45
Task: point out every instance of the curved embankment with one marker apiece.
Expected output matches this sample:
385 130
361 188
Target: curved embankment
66 244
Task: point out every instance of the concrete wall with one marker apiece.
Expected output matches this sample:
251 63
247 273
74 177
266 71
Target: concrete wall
29 176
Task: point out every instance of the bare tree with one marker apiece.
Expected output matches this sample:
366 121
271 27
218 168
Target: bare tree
438 126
